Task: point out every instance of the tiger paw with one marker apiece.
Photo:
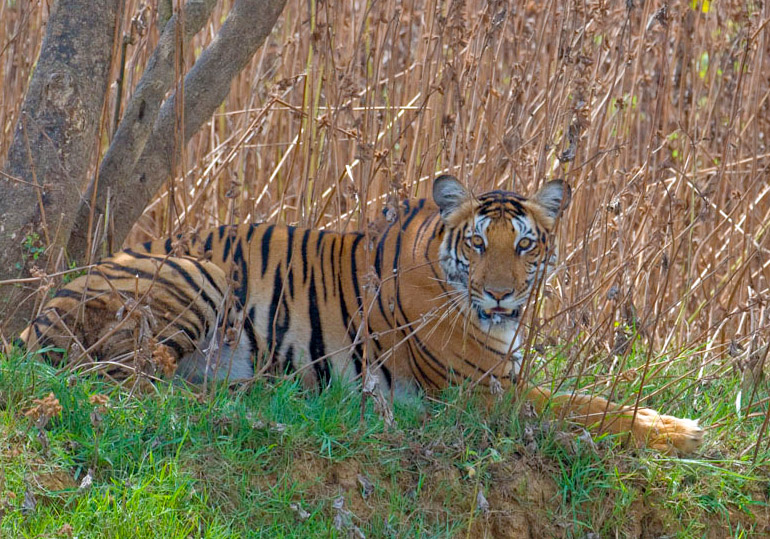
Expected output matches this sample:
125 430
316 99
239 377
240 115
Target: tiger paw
668 434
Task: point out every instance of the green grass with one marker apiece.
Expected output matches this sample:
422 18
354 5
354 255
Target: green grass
231 463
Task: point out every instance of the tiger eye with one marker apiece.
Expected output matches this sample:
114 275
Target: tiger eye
525 243
477 241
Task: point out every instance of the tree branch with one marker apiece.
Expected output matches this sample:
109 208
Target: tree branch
205 87
138 119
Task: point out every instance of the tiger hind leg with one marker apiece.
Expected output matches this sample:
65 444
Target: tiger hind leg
138 314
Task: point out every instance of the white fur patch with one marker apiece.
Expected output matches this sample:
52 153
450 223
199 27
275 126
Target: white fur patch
218 361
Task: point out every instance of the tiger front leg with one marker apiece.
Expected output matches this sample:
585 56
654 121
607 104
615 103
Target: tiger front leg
668 434
647 428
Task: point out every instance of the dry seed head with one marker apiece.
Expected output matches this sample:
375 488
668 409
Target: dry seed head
164 359
66 530
97 399
47 407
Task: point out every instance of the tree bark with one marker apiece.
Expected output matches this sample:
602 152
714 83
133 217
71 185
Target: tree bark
205 87
54 142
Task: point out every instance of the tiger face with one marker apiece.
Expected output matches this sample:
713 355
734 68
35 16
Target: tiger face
497 246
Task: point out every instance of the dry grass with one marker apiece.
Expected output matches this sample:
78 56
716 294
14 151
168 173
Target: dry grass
658 116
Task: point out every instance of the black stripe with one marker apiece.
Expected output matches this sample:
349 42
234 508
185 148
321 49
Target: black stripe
290 259
378 269
40 335
322 269
417 373
207 276
305 237
275 339
196 331
228 244
290 241
381 250
321 234
248 327
335 260
425 222
242 283
317 348
436 235
397 255
250 232
209 241
175 346
172 264
414 212
388 376
44 320
170 288
193 333
68 293
266 247
486 346
354 272
288 366
331 262
349 325
357 290
185 305
437 365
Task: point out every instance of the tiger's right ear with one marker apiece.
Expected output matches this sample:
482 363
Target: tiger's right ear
449 194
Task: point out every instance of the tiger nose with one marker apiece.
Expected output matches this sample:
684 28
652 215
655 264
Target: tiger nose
498 294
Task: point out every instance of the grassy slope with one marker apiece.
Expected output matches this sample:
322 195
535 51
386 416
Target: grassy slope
168 463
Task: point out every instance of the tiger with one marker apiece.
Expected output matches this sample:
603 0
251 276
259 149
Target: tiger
433 295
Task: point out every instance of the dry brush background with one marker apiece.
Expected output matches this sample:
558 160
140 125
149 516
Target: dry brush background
658 115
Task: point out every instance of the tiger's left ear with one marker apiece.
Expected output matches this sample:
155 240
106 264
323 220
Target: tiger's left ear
449 194
554 196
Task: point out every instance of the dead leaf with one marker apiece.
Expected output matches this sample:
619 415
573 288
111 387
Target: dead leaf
481 503
302 515
366 486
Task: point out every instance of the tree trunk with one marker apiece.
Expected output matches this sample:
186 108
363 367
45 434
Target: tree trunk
54 143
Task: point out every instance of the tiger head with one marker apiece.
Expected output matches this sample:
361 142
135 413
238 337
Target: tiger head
498 245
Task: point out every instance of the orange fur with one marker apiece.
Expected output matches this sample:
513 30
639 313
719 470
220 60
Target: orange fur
441 288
